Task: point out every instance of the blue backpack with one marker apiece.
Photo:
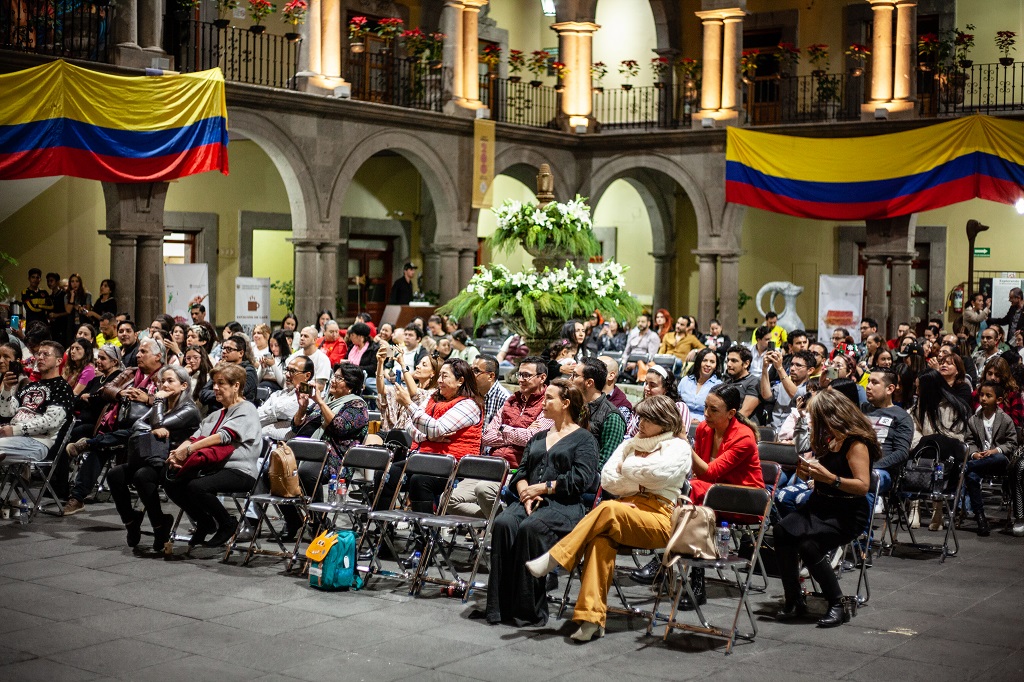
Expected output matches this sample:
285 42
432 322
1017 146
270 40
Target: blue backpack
333 554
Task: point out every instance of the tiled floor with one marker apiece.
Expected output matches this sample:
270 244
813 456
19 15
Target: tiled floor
76 604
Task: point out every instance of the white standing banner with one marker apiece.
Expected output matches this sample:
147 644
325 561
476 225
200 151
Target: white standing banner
182 283
840 304
1001 294
252 301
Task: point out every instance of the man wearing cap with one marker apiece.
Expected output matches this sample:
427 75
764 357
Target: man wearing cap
401 290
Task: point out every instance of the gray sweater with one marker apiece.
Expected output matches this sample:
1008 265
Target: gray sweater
241 427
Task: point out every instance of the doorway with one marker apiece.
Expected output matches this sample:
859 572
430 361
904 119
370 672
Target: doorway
370 274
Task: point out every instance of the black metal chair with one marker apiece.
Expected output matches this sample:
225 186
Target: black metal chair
17 475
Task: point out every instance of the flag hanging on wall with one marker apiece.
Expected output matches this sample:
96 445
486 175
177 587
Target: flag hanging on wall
60 119
878 176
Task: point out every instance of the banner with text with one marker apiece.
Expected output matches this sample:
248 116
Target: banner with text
840 304
182 283
252 301
483 163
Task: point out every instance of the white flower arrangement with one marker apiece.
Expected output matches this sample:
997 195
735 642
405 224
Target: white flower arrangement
564 226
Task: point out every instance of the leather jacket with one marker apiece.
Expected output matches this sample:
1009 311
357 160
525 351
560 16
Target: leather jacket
181 422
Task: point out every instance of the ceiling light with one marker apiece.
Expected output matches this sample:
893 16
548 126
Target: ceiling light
548 7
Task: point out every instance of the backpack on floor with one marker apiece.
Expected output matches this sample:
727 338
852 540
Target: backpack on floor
333 554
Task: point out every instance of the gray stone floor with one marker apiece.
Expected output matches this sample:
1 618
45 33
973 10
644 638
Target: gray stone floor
75 604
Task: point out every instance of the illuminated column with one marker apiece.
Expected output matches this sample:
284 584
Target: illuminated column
451 56
904 50
314 38
330 39
732 46
881 51
711 84
575 47
471 53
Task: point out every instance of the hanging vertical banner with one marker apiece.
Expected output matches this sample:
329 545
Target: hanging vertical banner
840 304
182 283
483 163
252 301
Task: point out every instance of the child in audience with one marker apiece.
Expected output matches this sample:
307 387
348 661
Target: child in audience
991 439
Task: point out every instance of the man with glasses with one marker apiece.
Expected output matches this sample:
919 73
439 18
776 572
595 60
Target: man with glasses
518 420
36 411
277 412
233 353
820 353
485 368
988 349
321 363
789 387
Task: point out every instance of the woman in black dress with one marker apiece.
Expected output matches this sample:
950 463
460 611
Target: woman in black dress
845 445
558 466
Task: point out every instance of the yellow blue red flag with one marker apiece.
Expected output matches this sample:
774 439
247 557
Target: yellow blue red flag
877 176
60 119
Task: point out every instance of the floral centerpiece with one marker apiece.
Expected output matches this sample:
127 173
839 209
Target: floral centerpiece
818 54
553 233
294 13
536 304
258 11
1005 40
787 54
516 63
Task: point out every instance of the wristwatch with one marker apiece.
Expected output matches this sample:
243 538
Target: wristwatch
550 486
835 483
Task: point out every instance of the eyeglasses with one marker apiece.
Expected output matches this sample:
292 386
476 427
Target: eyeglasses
477 371
337 377
799 365
526 376
290 370
225 349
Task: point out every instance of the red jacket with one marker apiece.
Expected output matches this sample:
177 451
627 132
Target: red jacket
465 441
335 352
737 462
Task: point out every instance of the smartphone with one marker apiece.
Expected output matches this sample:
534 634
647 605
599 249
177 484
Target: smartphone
16 367
15 321
307 388
832 373
398 375
771 345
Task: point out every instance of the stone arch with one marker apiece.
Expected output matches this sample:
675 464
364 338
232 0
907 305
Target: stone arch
517 161
303 200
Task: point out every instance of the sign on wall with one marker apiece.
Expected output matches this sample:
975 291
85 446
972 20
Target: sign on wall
840 304
483 163
1001 294
182 283
252 301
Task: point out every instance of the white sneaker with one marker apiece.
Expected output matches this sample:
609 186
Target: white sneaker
879 507
1018 529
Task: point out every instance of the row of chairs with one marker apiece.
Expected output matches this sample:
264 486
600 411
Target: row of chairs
18 474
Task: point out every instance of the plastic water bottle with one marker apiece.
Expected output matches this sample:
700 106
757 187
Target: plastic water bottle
937 478
342 489
724 536
416 559
23 512
332 490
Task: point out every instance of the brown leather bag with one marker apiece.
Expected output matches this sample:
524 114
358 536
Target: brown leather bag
284 472
693 533
111 390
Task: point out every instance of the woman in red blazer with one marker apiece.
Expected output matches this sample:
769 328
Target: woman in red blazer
725 451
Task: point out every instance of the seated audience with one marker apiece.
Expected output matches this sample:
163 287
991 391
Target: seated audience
991 441
698 382
35 411
659 382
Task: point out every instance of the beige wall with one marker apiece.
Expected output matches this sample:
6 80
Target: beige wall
528 28
988 17
622 208
627 33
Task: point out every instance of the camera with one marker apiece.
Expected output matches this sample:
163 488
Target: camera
307 388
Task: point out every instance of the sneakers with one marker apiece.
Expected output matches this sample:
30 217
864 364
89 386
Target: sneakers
73 506
78 447
1018 528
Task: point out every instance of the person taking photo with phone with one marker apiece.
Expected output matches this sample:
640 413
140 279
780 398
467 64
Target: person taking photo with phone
277 412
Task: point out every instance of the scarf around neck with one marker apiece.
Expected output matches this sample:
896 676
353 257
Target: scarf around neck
638 444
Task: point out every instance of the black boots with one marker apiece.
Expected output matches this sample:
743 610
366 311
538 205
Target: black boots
825 576
134 528
645 575
983 527
699 593
793 608
835 616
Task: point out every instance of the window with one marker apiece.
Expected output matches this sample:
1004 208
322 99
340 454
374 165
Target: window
179 248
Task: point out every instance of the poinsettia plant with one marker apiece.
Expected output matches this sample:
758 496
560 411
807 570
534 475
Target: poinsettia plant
390 28
538 63
1005 40
416 42
818 54
687 67
560 69
491 55
629 68
294 12
357 28
516 61
660 66
787 55
260 10
858 52
598 70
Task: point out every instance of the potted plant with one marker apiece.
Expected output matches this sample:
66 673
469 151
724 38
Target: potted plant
224 9
598 70
628 68
491 57
415 42
829 90
258 11
963 44
538 66
686 69
357 31
927 49
390 28
516 63
435 48
818 54
660 66
748 64
787 54
294 13
1005 40
858 54
560 69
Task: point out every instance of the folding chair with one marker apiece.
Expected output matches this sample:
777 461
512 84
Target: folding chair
859 552
262 394
16 480
374 423
490 469
724 500
767 433
362 457
422 464
771 472
669 362
307 451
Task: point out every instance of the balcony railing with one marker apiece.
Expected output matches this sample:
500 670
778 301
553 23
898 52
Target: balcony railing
663 106
58 28
381 77
243 56
977 89
771 100
513 101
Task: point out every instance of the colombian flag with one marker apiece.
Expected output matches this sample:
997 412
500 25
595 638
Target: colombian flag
59 119
880 176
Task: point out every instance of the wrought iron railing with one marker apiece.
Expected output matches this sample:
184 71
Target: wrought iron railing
663 106
513 101
976 89
243 56
381 77
60 28
772 100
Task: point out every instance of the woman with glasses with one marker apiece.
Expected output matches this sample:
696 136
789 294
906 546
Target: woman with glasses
233 352
420 384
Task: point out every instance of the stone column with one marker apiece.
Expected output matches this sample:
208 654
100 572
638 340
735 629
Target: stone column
149 289
451 56
575 45
135 226
732 47
899 289
449 283
707 287
467 262
431 269
125 25
307 280
327 262
471 53
881 51
663 270
151 25
122 267
711 83
341 274
314 40
874 280
905 49
728 310
330 39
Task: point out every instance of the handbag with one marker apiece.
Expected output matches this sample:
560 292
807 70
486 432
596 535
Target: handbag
148 449
129 412
283 472
693 533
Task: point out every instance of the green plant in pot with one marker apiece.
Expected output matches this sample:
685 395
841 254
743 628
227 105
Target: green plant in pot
1005 40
